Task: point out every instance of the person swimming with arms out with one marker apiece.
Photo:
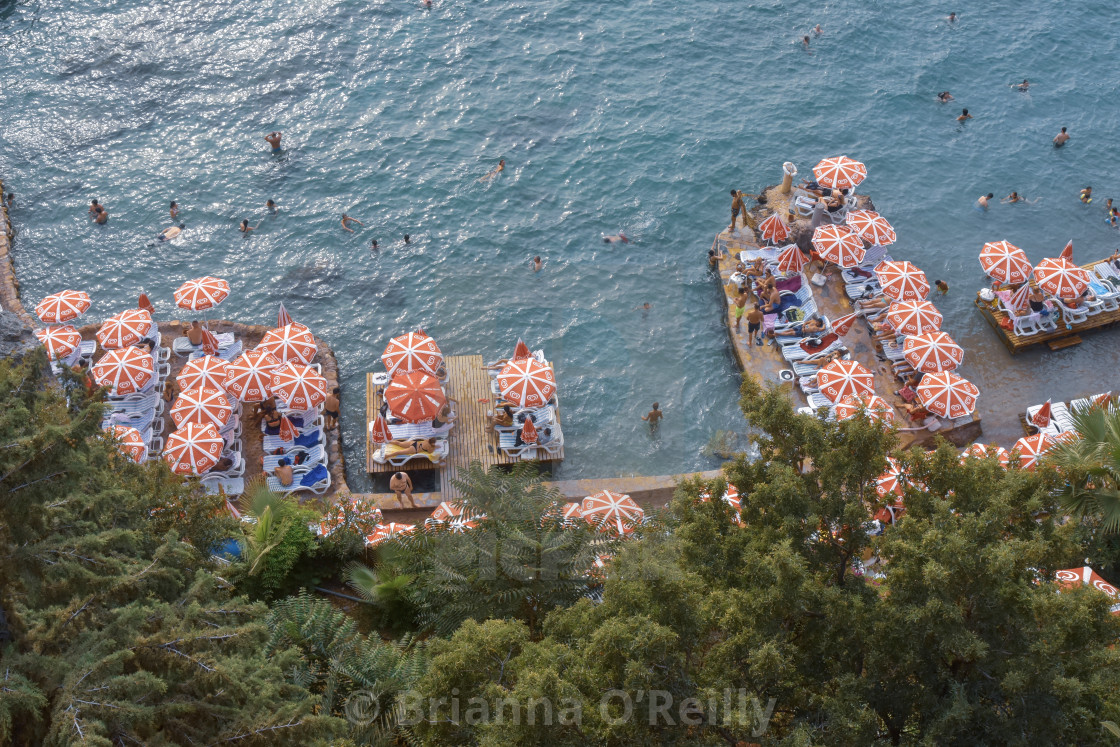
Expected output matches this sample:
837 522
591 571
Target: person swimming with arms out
944 97
495 171
1016 197
273 139
170 232
246 228
346 220
618 238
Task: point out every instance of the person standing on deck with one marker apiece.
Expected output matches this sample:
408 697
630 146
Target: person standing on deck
737 207
401 485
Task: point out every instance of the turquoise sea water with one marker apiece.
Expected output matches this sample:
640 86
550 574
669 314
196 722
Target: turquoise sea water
634 116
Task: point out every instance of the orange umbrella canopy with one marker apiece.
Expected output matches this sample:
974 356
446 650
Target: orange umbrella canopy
209 372
871 227
521 350
201 293
527 383
612 512
914 317
902 281
839 172
301 387
123 329
124 371
891 481
983 451
1071 578
60 342
1031 448
932 352
838 245
63 306
773 229
249 376
445 511
1062 278
193 449
131 442
791 259
871 405
841 378
947 394
201 406
392 530
415 397
1005 262
529 432
292 342
414 351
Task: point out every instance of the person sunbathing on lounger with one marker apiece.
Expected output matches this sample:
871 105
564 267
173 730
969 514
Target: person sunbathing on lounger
811 326
503 418
413 445
824 360
873 303
497 365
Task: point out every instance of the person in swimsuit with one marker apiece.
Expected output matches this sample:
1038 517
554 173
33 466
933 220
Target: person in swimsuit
273 139
982 201
835 202
537 264
1036 300
1087 195
964 115
246 228
415 445
495 171
737 206
330 408
503 418
407 239
818 30
1024 86
270 206
346 220
94 206
942 286
1061 138
373 248
283 472
618 238
401 485
171 232
944 97
952 18
445 416
805 41
740 307
174 210
754 324
272 420
774 302
654 416
101 216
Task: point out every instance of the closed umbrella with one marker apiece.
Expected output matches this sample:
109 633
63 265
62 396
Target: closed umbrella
125 371
288 430
529 432
414 351
1041 418
1020 301
379 431
415 397
791 260
1060 277
947 394
871 227
983 451
130 442
208 371
527 383
193 449
293 342
521 350
839 245
60 342
201 293
301 387
902 281
841 378
612 512
209 343
839 172
201 406
914 317
1005 262
773 229
63 306
1067 252
144 303
249 376
1031 448
124 329
871 405
932 352
283 318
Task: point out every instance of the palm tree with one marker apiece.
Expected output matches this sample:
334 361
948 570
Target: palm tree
1091 466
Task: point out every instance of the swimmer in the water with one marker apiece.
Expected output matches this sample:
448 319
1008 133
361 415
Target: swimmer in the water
171 232
1061 138
273 139
1024 86
407 239
805 41
346 219
1087 195
964 115
818 30
94 206
618 238
101 215
495 171
271 207
952 18
174 210
1016 197
537 264
373 247
983 200
944 97
246 228
426 3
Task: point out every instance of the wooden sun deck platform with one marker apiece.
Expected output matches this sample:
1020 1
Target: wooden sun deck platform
470 440
766 363
1055 340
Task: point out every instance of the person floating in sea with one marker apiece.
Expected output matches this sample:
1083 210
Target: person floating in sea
618 238
964 115
1061 138
346 220
537 264
273 139
644 308
1024 86
654 417
174 210
427 4
1087 195
171 232
246 228
944 97
495 171
983 200
270 206
805 41
942 286
1016 197
952 18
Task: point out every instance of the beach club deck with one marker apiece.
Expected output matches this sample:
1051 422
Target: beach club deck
471 439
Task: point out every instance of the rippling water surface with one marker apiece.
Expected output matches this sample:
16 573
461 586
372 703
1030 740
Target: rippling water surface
634 116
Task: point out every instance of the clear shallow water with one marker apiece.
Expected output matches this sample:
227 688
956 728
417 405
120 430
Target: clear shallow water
636 116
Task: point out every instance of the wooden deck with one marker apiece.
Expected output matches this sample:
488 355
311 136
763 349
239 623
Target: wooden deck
1055 340
470 440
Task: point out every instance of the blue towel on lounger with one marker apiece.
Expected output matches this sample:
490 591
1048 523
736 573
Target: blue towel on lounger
314 476
308 440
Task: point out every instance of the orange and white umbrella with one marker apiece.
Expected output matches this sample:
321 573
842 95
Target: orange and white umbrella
612 512
1042 417
1005 262
791 260
840 172
63 306
841 378
389 531
125 371
914 317
288 430
201 406
1020 300
1103 400
209 372
891 481
60 342
379 431
932 352
193 449
521 350
301 387
144 303
773 229
361 513
131 443
415 397
842 325
871 227
1062 278
249 376
871 405
947 394
529 432
201 293
527 383
1072 578
293 342
446 511
414 351
1067 251
1031 448
730 496
902 281
838 245
124 329
983 451
283 318
572 512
